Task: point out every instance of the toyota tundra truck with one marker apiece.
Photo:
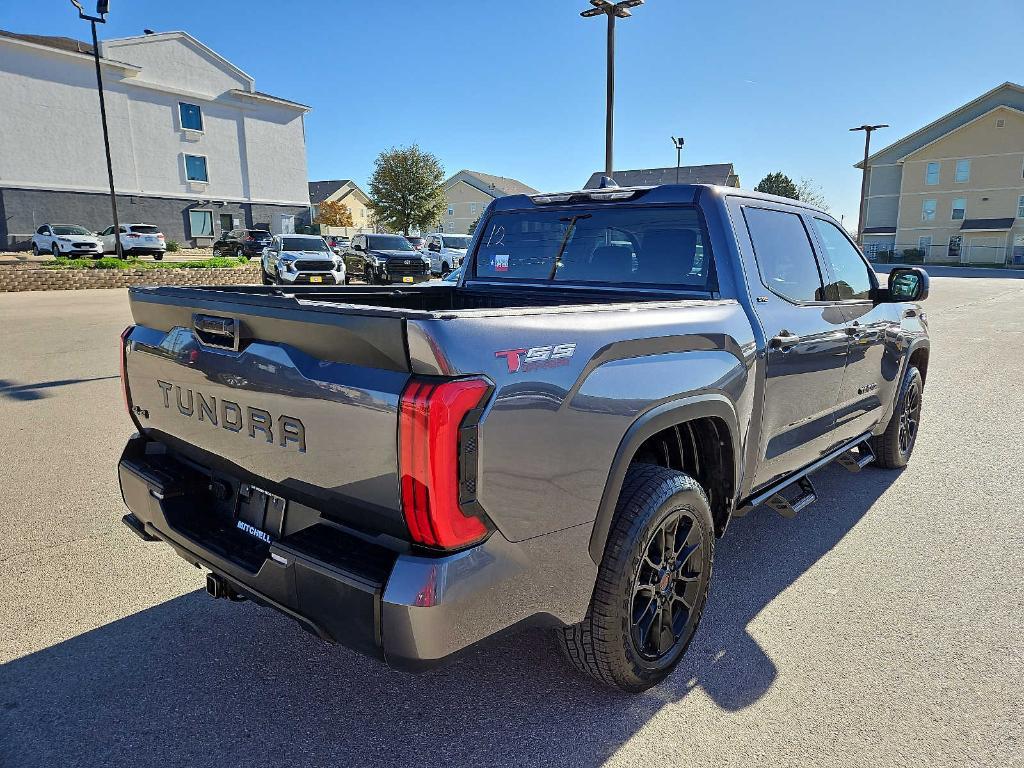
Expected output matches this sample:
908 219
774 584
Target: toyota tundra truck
556 439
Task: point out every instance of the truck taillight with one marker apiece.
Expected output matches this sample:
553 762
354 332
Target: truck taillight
437 460
124 366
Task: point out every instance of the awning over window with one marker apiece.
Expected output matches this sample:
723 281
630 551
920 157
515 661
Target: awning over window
879 230
987 225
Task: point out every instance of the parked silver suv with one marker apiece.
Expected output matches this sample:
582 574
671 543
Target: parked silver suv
301 260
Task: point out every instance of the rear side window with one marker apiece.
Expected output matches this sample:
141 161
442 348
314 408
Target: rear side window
656 246
850 278
784 254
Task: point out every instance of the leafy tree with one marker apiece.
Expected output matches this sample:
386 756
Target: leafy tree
334 213
406 189
809 192
779 184
474 225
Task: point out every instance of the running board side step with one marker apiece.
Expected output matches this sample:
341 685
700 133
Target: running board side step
855 462
790 507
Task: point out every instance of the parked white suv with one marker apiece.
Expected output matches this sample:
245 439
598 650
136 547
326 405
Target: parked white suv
446 252
66 240
301 260
136 239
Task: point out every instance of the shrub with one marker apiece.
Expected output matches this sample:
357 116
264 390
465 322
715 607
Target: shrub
913 255
173 246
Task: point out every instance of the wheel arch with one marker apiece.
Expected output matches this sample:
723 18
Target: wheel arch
699 414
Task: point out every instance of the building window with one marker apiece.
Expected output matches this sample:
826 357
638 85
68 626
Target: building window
191 116
931 174
472 207
928 210
963 171
959 208
1020 207
924 244
200 223
451 211
953 250
195 168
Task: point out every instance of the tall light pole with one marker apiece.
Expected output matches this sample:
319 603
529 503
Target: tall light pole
864 178
678 144
102 9
619 10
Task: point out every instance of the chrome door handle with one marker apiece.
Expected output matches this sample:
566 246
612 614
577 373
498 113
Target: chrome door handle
784 340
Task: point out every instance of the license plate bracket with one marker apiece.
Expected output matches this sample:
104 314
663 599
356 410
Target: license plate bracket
408 280
261 510
316 279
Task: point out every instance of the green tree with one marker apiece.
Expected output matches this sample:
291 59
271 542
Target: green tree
779 184
406 189
809 192
474 225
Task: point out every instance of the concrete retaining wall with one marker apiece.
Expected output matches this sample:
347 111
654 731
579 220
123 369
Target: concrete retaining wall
18 279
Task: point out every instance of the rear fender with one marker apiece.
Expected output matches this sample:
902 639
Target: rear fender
650 423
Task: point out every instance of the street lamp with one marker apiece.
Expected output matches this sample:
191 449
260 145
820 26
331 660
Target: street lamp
102 9
619 10
864 179
678 144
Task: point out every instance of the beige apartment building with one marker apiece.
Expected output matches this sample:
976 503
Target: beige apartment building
953 192
345 191
469 192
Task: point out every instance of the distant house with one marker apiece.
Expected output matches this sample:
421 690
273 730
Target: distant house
954 189
469 193
196 148
345 191
722 174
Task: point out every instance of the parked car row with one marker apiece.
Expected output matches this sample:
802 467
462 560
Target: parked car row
311 259
75 240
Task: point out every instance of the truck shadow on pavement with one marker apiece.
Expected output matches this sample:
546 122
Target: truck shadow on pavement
194 681
37 391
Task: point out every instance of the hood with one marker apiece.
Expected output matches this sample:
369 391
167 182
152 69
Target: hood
307 255
399 255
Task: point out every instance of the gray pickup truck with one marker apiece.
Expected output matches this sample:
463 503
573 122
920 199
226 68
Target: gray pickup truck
556 439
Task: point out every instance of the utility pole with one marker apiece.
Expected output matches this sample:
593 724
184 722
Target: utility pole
613 11
102 9
678 144
864 179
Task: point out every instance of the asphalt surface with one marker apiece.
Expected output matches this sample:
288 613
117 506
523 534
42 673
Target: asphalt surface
880 628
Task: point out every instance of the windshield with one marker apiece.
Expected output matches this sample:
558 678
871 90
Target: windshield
646 246
144 229
65 229
303 244
388 243
456 241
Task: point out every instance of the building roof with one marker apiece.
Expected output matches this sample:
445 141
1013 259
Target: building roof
60 43
495 186
1008 94
321 190
722 174
996 225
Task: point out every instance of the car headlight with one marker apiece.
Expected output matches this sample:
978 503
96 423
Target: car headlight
286 261
339 265
374 261
426 260
64 239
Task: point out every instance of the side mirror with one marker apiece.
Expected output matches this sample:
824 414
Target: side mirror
433 247
908 284
357 247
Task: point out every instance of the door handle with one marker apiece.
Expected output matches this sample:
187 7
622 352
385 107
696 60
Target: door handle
784 340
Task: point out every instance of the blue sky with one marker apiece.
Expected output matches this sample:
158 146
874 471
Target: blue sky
517 88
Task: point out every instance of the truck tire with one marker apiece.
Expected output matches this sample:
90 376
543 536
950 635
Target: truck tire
649 597
893 447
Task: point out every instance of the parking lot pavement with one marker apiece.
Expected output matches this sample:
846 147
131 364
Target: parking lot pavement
882 627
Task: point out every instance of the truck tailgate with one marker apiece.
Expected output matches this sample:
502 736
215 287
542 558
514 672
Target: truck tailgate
299 401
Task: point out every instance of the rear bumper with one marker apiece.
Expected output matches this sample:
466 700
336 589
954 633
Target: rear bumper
408 610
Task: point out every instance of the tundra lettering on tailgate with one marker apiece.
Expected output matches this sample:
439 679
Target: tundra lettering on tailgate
234 417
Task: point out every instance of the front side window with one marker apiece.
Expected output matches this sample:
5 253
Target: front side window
41 230
784 254
642 246
959 208
931 174
200 223
963 171
928 210
195 168
191 116
850 277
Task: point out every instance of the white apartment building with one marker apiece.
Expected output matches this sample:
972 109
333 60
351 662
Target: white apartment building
196 148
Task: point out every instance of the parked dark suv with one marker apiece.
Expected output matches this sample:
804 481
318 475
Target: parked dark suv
384 259
242 242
